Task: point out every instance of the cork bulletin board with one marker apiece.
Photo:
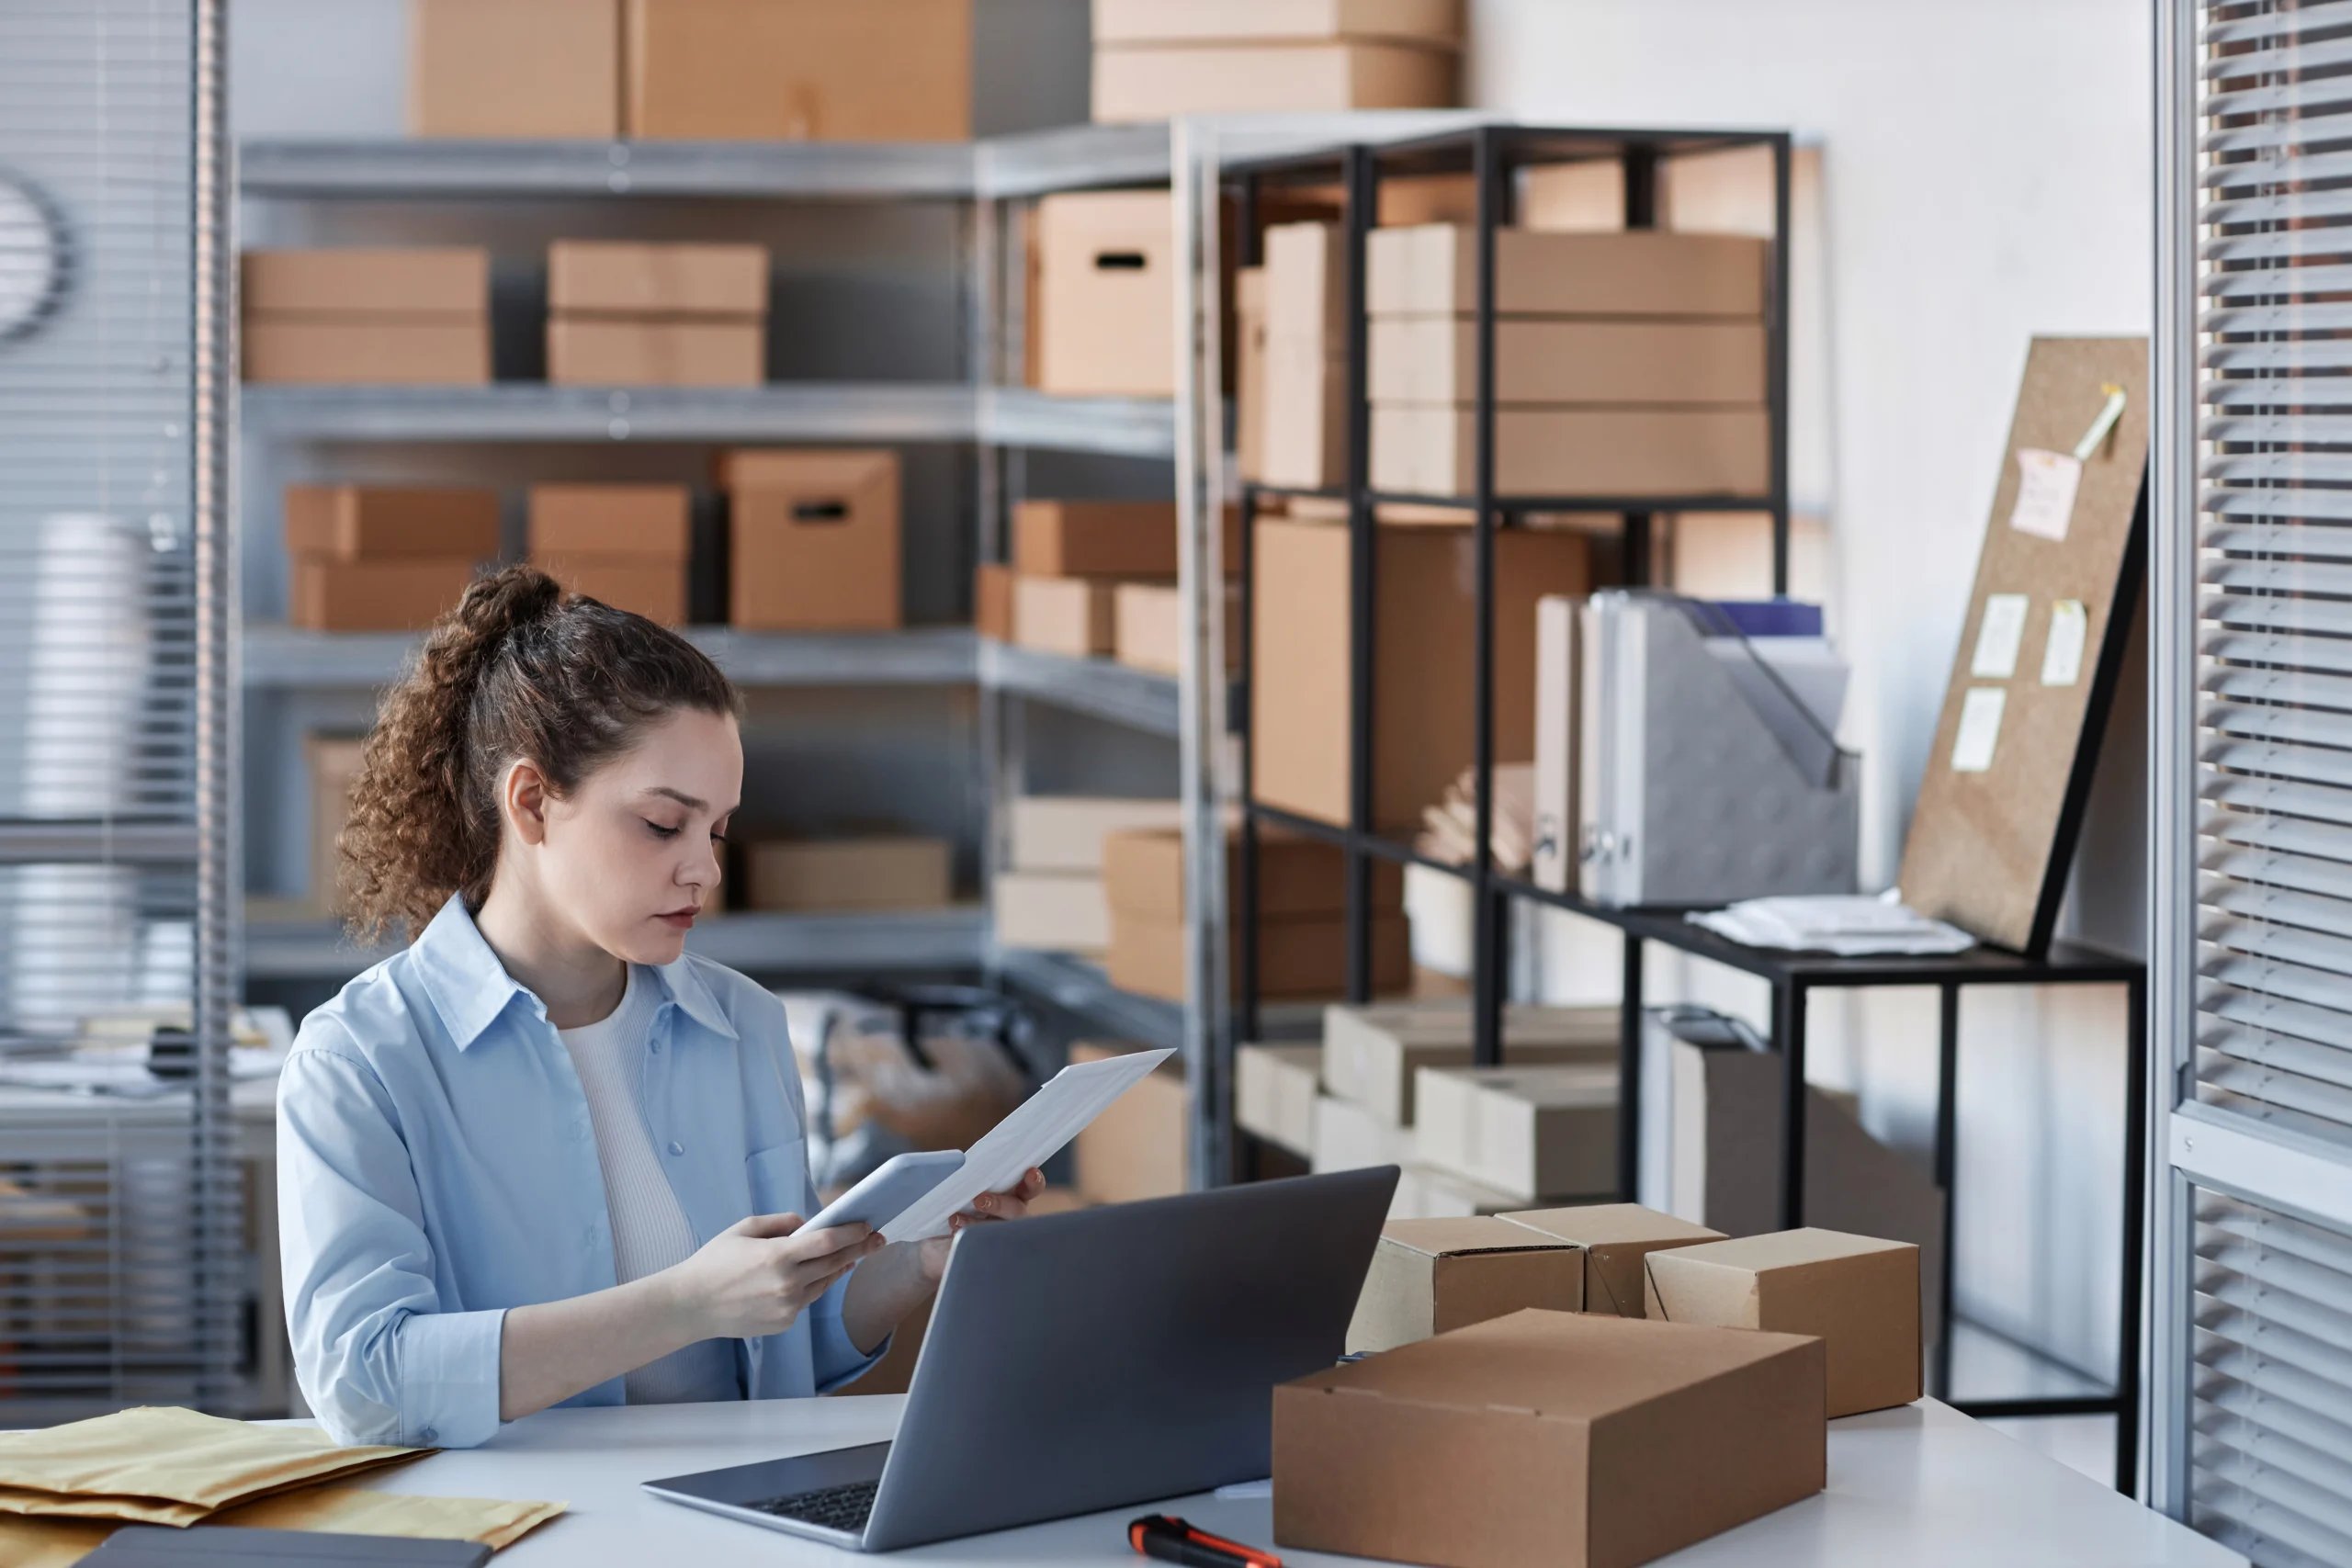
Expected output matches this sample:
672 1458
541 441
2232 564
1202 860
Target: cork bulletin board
1999 809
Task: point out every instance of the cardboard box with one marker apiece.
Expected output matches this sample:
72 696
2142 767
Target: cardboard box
1860 1295
1306 431
1074 616
1165 81
351 523
639 278
1061 911
1302 958
815 539
1435 24
374 284
1064 832
1554 450
1106 276
1249 372
799 69
538 68
1274 1091
373 596
1435 359
1548 1439
615 351
1137 1147
1306 286
886 872
1094 538
1146 621
1435 1276
333 763
357 352
1422 732
1349 1137
1538 1131
646 520
992 600
1432 270
1424 1192
1143 874
1616 1240
651 586
1371 1051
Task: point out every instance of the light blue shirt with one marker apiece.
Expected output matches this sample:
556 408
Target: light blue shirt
436 1167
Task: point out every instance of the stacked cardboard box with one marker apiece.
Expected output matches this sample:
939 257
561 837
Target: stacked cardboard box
1615 1241
1050 895
625 544
1302 926
1139 1147
1275 1092
535 68
333 763
1104 274
814 539
1432 1277
372 557
799 69
899 871
992 600
1625 365
1538 1131
625 314
1249 411
366 316
1156 59
1069 560
1305 434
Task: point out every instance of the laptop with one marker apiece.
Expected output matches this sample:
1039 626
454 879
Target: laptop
1126 1354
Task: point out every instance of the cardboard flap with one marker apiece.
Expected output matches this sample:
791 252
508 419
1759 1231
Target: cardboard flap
1678 1289
1599 1224
1459 1238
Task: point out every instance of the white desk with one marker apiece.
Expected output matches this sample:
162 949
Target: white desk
1919 1486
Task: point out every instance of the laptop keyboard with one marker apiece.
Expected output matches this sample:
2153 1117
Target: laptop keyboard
827 1508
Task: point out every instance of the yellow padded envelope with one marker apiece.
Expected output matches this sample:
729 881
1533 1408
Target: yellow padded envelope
346 1510
177 1456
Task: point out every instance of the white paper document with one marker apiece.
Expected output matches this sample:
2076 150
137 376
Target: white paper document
1033 1134
2046 485
2062 656
1980 729
1998 637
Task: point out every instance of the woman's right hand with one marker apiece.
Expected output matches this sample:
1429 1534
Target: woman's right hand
752 1279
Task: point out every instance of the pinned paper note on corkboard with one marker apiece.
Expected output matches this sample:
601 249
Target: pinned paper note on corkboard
2001 806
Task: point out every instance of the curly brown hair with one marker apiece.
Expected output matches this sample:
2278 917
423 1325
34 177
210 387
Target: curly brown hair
520 669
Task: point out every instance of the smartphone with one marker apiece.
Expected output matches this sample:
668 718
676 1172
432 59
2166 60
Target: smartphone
885 1195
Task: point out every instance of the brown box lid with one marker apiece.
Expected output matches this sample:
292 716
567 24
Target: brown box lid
351 523
801 470
444 281
1434 1276
1616 1238
1143 874
642 278
611 520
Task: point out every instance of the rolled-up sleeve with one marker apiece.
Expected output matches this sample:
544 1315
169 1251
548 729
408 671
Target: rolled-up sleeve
379 1359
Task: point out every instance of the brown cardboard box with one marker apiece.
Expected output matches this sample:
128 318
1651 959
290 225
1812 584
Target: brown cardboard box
1306 431
1548 1439
1147 630
1163 81
537 68
1860 1295
1105 272
1549 449
651 520
1349 1137
1422 735
1064 832
1435 1276
351 523
651 586
799 69
448 281
637 279
1435 359
1274 1089
394 351
334 773
1142 873
617 351
374 596
1094 538
900 872
992 600
1136 1147
815 539
1617 1240
1435 24
1299 958
1538 1130
1306 286
1249 372
1371 1051
1424 1192
1432 270
1061 911
1070 616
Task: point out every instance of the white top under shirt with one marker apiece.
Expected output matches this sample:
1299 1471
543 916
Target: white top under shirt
650 1230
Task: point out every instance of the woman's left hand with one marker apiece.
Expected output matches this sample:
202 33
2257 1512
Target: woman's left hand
930 1256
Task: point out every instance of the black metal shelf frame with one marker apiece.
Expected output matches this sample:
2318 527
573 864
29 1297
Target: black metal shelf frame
1493 154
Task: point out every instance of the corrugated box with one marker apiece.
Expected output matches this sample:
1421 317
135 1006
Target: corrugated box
1306 430
333 763
1059 911
1859 1294
651 586
1301 958
1541 1132
1105 263
535 68
356 352
1274 1089
1435 1276
992 600
1306 286
373 596
1163 81
647 520
1142 873
799 69
1435 359
1554 450
1422 732
1349 1137
1250 410
1147 626
1424 1193
1064 832
615 351
1617 1240
1548 1439
1136 1148
1094 538
1435 24
891 871
1074 616
374 284
351 523
814 539
627 277
1432 270
1371 1051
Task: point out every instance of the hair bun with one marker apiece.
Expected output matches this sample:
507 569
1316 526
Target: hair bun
498 602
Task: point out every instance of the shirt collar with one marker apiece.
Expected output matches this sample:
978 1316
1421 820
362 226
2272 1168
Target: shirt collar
685 986
471 990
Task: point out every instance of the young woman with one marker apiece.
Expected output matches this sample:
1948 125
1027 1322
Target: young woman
541 1156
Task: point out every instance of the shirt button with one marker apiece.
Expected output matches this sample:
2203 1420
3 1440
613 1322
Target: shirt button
430 1436
655 1047
676 1148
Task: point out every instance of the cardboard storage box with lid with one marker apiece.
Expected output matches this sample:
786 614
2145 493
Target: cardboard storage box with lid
1136 1148
1051 896
1616 1240
799 69
627 545
1372 1051
1158 58
1548 1439
899 871
1105 275
382 558
1858 1293
1541 1131
813 539
623 313
367 317
543 69
1435 1276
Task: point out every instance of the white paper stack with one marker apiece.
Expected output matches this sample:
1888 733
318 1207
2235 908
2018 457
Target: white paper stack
1851 926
